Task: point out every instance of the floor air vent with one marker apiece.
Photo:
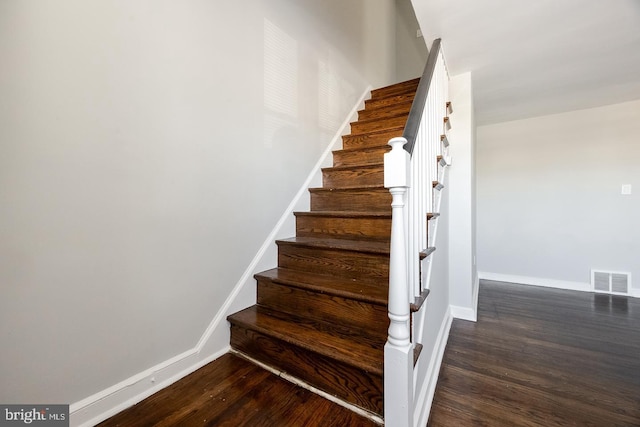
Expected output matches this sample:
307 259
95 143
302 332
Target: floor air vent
610 282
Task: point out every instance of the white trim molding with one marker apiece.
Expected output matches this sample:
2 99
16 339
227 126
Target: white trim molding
214 342
536 281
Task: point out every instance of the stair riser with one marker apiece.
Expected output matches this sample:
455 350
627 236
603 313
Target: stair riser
348 383
378 200
320 306
389 100
370 140
345 228
368 126
384 111
372 156
353 177
340 263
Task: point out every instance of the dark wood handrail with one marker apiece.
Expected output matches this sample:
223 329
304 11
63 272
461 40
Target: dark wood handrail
419 101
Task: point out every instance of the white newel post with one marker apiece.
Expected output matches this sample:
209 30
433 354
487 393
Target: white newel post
398 351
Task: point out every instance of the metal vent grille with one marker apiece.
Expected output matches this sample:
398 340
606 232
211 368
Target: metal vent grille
620 283
601 281
610 282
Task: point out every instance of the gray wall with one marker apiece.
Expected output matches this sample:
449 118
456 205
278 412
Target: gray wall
462 186
147 148
549 196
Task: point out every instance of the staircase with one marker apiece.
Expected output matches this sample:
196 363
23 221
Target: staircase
321 315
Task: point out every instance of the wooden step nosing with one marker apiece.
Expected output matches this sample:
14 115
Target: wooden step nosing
311 346
348 189
367 149
426 252
345 214
372 166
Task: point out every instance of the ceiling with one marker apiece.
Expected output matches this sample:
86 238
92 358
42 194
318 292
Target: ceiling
533 58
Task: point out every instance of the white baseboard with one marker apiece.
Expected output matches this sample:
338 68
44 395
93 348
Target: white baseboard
536 281
214 342
464 313
110 401
428 389
547 283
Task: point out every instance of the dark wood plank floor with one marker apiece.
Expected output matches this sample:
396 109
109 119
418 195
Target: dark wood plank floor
542 357
234 392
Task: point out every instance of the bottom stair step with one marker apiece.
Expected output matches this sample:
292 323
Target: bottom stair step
327 356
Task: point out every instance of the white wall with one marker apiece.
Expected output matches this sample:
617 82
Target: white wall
411 51
147 148
462 188
549 196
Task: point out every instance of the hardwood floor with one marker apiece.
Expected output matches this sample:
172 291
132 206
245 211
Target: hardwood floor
542 357
234 392
536 357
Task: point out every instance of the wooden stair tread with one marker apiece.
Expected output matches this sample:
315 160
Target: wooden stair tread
362 188
328 339
377 119
388 100
362 290
355 172
399 107
395 88
367 149
358 167
425 253
364 246
401 103
416 305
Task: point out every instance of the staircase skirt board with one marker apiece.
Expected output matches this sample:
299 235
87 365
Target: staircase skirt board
321 314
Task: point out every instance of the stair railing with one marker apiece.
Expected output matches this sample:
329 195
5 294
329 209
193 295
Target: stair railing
411 172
